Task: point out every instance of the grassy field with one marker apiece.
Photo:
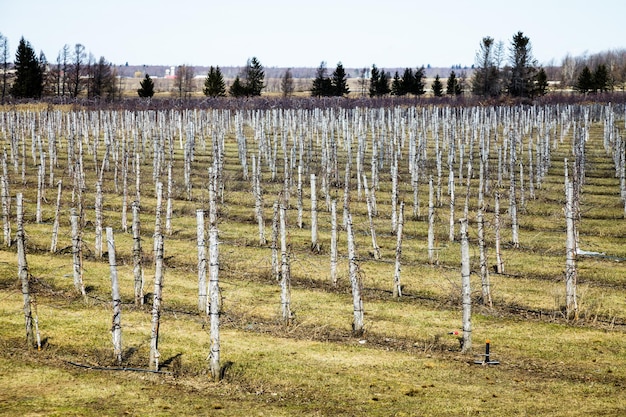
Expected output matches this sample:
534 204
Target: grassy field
406 363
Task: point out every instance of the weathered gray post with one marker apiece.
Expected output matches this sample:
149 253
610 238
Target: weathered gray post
285 279
57 213
156 303
465 289
22 271
116 329
397 287
77 252
214 289
570 261
202 258
137 255
355 281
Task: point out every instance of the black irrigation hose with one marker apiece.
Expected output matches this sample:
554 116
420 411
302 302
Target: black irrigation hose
104 368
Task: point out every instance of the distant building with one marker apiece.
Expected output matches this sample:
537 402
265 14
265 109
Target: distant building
170 72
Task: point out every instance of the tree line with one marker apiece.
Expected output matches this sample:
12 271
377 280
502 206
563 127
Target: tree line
495 73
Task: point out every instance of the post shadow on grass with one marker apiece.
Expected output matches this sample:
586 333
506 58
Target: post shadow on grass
128 353
174 363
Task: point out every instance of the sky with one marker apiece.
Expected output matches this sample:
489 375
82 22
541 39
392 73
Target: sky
293 33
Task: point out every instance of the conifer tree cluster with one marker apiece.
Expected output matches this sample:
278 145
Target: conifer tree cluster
410 83
521 78
250 82
214 85
379 82
497 71
453 85
334 86
593 82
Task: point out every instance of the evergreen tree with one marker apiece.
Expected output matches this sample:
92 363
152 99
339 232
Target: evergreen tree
374 81
237 89
437 87
584 83
28 73
379 82
407 83
286 83
522 67
601 79
254 77
486 81
147 87
418 87
383 84
339 82
322 85
214 85
541 83
453 87
396 85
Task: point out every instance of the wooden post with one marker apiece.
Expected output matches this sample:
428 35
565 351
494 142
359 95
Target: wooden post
125 190
202 259
137 178
98 208
275 227
57 213
156 303
451 187
168 204
571 302
77 252
299 193
157 213
6 210
116 329
333 242
397 287
40 185
431 222
499 261
465 289
368 201
258 199
394 194
355 281
137 255
482 248
285 278
22 271
214 289
315 247
513 195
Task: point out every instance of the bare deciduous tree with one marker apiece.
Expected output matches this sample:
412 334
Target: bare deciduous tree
183 82
286 84
4 63
76 71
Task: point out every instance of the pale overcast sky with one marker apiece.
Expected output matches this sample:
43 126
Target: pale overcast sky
293 33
